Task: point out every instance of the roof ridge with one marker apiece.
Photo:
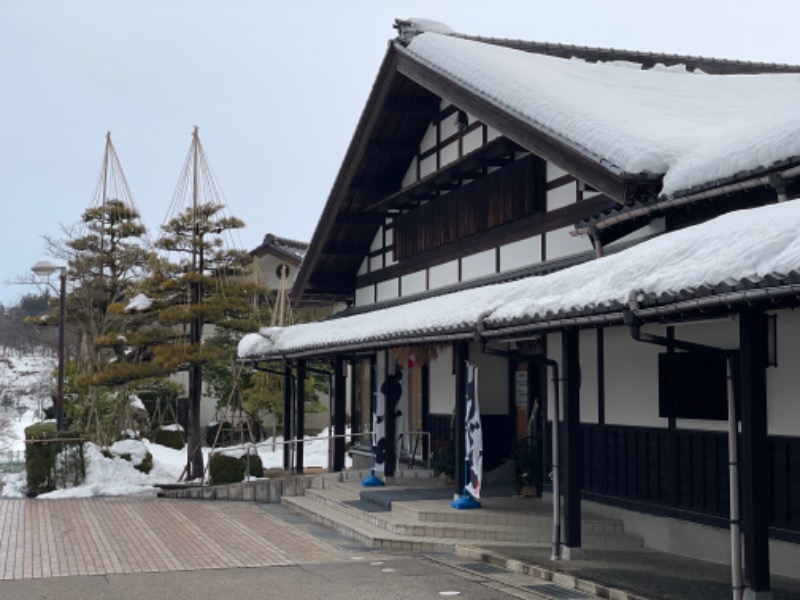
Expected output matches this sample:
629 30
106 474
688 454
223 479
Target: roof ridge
597 53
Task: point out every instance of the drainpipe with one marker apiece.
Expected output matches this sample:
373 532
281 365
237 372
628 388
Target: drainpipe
633 322
482 344
779 184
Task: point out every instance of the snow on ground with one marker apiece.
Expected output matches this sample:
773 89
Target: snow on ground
28 381
118 477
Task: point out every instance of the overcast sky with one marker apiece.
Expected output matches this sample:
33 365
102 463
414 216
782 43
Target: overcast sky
276 89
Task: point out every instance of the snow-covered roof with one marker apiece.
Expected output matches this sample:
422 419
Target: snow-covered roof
691 127
748 244
286 247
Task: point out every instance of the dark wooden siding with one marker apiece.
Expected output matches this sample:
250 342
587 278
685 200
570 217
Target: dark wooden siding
682 473
502 197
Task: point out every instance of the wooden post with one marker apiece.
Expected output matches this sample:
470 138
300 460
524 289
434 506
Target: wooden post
571 457
339 406
461 356
754 450
287 416
300 413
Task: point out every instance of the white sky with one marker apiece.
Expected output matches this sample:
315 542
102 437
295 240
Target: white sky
276 90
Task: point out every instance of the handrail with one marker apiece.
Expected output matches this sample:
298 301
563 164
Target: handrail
294 441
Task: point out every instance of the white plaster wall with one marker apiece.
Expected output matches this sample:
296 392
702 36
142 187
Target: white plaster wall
387 290
560 243
427 166
472 141
411 174
631 395
448 126
783 393
442 382
562 196
554 172
428 140
588 390
445 274
588 385
365 295
448 154
364 268
478 265
492 381
492 134
376 262
521 253
413 283
655 226
268 265
377 241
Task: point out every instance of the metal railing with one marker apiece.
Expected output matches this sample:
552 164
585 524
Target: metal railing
420 439
12 461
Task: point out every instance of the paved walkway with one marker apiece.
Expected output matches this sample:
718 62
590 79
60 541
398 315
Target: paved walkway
56 538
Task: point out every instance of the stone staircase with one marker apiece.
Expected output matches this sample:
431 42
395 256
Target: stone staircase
414 513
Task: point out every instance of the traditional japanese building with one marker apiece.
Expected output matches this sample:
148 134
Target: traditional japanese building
610 237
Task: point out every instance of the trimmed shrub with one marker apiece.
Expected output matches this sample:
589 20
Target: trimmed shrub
50 463
226 469
146 465
256 466
171 438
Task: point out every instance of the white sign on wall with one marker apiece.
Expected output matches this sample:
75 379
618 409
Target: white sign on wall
521 388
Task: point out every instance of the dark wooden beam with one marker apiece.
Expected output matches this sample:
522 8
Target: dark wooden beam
287 416
497 152
392 148
571 457
339 412
460 356
300 414
360 218
423 108
376 188
505 234
346 249
611 183
754 456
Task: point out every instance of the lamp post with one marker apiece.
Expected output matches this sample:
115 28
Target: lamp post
45 269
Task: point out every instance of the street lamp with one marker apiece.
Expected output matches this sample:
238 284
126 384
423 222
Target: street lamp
45 269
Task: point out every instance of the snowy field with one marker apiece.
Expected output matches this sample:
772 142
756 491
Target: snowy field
29 379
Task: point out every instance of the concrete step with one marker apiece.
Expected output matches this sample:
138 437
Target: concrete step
340 502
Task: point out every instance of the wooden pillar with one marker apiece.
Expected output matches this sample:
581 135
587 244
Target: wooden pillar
426 409
460 356
287 416
339 410
390 413
754 450
571 442
300 413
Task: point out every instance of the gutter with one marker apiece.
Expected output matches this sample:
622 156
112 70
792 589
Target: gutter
774 179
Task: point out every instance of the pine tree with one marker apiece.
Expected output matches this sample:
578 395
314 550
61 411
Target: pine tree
106 256
199 285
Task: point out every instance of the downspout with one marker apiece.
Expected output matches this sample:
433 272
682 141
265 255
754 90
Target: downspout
779 184
634 323
482 344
